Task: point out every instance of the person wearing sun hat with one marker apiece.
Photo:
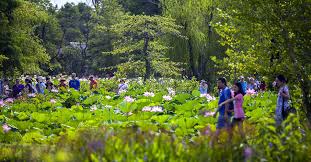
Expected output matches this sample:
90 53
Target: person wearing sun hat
40 86
62 83
203 87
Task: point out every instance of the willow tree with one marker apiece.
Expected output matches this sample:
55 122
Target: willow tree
140 41
195 18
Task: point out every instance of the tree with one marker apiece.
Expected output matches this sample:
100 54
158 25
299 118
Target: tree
22 49
140 39
272 37
195 18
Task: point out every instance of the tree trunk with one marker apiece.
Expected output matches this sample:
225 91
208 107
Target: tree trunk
302 77
191 59
147 58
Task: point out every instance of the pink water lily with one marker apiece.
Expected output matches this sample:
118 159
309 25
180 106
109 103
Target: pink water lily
6 128
250 92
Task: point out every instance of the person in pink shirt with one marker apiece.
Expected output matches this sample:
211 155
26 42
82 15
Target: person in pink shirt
239 115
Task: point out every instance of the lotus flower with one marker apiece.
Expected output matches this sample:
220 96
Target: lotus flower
250 92
6 128
208 114
108 97
171 92
31 95
93 108
53 101
54 90
210 98
129 99
2 103
147 108
149 94
156 109
167 98
153 109
9 100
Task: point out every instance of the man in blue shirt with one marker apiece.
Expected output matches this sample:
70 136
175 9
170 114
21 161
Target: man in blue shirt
74 82
243 83
225 111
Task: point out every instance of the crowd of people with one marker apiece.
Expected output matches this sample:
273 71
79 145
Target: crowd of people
42 85
252 85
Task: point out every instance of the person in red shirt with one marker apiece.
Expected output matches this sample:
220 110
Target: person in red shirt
93 83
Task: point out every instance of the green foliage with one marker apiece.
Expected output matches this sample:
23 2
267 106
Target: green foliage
96 127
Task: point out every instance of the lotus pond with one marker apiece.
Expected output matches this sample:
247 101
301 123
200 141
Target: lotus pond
166 120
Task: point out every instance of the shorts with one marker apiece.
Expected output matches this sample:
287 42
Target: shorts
222 123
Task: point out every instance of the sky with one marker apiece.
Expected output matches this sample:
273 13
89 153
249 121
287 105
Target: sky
60 3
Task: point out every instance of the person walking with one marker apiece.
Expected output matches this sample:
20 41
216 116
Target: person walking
225 110
282 101
239 115
74 82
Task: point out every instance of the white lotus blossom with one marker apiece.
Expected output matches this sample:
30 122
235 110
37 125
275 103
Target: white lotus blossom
210 98
156 109
167 98
93 108
53 101
209 113
171 92
54 90
31 95
108 97
152 109
149 94
129 99
147 108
